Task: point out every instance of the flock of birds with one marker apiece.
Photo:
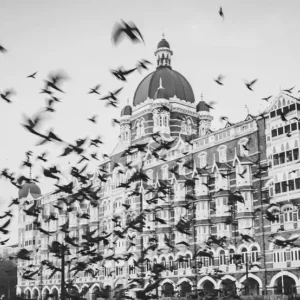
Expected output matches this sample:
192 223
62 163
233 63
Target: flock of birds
89 247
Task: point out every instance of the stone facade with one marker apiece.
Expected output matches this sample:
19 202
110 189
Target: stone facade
239 148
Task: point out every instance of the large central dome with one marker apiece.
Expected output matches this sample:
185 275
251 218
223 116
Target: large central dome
173 82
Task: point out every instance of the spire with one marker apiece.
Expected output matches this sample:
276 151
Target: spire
247 110
30 173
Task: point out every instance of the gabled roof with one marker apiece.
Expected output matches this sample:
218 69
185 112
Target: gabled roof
243 160
275 100
120 147
220 166
228 124
249 117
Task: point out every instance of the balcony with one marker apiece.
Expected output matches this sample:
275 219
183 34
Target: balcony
280 265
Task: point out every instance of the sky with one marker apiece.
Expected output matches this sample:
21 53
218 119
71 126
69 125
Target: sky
256 39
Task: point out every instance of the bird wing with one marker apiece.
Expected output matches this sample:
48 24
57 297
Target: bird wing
117 33
139 33
129 71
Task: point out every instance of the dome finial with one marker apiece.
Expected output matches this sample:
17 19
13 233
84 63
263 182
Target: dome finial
127 100
160 83
201 97
163 34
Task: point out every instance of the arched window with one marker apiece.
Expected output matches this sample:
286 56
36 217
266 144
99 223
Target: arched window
188 263
244 255
287 215
160 121
222 154
165 172
142 122
279 104
180 261
150 176
156 121
138 128
222 258
154 262
254 254
165 121
189 127
275 212
170 262
231 256
243 142
203 161
183 126
163 261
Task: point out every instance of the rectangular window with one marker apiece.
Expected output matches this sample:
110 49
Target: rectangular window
296 153
280 130
287 128
278 112
294 126
283 186
285 109
291 185
277 188
273 114
276 159
289 155
292 107
298 106
297 183
274 132
282 157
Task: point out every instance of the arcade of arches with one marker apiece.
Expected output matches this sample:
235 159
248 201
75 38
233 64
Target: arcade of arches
282 282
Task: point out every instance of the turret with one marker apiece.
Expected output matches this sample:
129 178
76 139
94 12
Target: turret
204 117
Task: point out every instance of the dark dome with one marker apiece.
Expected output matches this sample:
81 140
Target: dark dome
32 187
126 111
201 106
173 82
163 44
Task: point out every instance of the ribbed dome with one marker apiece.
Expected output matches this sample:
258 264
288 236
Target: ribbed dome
126 111
201 106
163 44
174 84
32 187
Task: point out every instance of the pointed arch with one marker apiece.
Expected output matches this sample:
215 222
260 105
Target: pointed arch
224 278
46 288
206 278
167 280
35 293
185 279
283 273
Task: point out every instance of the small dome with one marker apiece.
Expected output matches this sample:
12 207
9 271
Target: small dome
161 93
163 44
32 187
126 111
201 106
